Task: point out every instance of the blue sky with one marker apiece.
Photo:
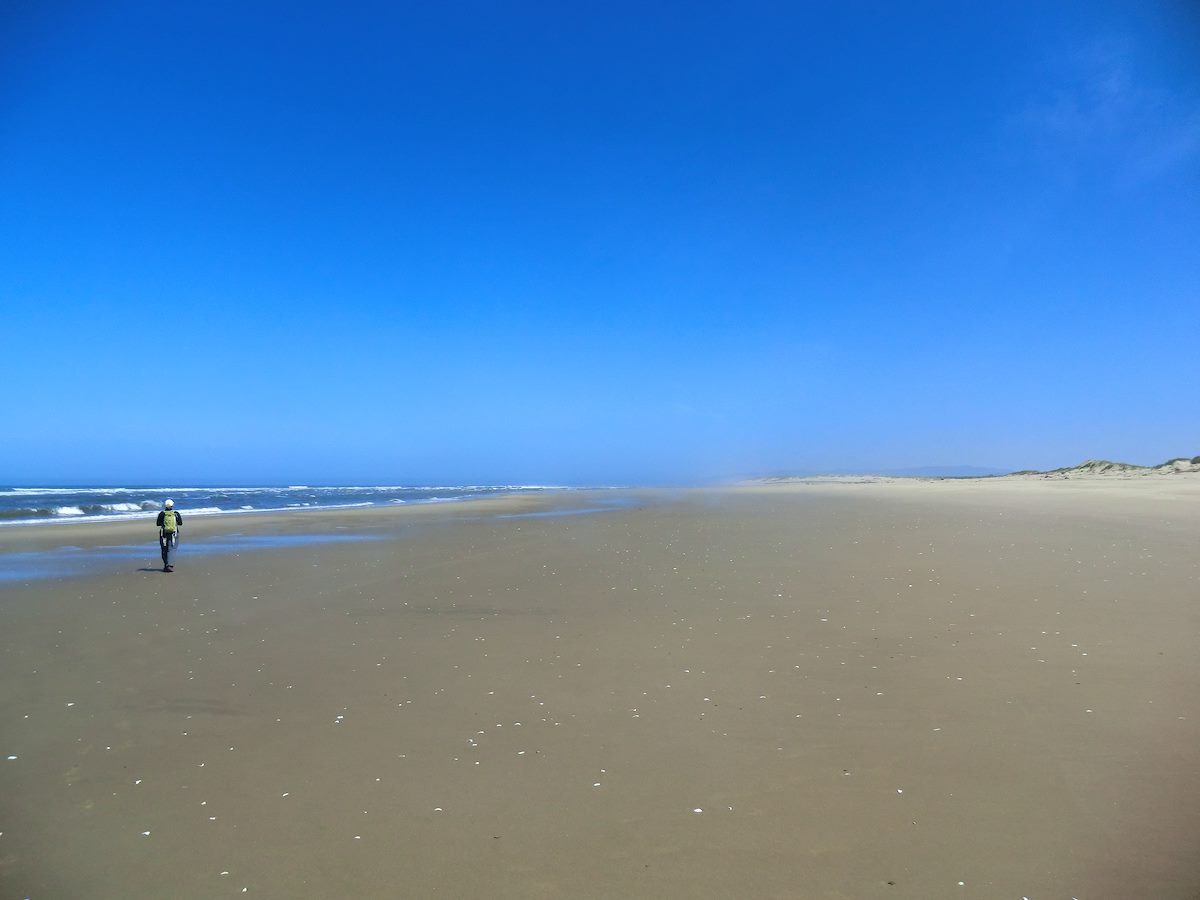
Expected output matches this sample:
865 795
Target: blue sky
564 243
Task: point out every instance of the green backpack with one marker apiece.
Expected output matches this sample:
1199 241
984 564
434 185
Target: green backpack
169 521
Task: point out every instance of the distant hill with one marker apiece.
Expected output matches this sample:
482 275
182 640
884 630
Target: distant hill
1108 467
1089 469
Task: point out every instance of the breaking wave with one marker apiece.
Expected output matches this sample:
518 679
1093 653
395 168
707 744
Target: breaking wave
43 505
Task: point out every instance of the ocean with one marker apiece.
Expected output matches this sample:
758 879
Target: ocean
45 505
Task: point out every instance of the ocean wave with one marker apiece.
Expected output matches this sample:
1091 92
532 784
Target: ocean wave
43 505
60 515
166 491
267 489
27 512
51 491
74 510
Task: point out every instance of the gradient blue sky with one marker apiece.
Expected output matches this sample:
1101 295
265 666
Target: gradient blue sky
582 243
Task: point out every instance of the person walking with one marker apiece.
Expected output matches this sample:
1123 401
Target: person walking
169 524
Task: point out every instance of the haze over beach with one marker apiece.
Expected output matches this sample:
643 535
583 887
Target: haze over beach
672 451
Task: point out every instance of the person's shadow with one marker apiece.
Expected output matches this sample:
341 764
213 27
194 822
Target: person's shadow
151 569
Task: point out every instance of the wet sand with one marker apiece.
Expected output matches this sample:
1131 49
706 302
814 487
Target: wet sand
893 690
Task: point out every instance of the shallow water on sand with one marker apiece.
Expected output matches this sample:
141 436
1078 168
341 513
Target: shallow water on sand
69 560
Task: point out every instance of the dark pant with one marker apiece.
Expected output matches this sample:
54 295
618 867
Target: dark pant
169 543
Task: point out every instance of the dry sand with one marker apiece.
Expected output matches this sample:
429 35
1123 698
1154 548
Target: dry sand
893 690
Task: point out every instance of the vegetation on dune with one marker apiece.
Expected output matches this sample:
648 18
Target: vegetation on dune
1174 466
1104 466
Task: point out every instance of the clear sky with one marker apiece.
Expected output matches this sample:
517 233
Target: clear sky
594 243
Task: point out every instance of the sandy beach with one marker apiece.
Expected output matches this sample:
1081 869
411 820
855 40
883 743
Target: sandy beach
858 689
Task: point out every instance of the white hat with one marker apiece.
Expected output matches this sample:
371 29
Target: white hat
169 504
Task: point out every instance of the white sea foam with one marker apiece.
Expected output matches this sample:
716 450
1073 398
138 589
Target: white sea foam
95 504
45 491
384 488
201 511
38 491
